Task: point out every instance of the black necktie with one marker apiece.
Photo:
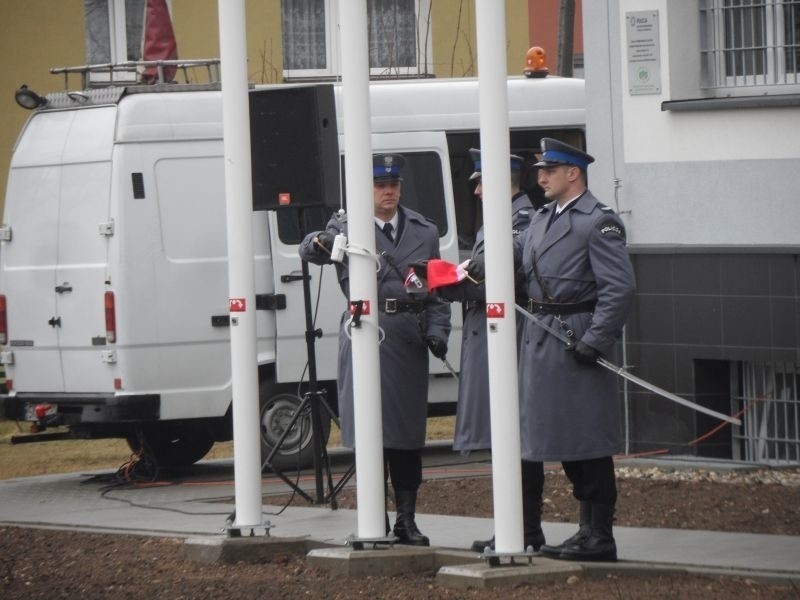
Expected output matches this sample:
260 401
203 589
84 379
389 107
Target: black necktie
555 214
387 229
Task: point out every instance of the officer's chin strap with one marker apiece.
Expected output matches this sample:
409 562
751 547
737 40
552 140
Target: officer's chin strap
630 377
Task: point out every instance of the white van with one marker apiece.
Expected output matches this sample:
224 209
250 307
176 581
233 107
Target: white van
113 265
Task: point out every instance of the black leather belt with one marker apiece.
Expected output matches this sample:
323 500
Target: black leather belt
393 305
566 308
470 304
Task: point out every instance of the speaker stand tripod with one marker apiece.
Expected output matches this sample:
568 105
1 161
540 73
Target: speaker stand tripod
313 401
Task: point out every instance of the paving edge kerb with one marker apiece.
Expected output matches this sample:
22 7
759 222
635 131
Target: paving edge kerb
453 568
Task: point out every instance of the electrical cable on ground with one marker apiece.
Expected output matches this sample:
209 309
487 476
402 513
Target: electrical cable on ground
126 476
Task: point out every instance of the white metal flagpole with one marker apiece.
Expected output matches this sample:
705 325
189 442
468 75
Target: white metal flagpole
363 283
501 317
241 277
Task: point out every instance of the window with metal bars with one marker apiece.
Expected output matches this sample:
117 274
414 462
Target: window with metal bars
747 43
767 395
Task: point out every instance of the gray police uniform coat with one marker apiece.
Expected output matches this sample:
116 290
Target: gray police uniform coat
403 352
473 429
570 411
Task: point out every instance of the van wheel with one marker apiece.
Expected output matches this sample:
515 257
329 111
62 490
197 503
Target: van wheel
173 444
297 450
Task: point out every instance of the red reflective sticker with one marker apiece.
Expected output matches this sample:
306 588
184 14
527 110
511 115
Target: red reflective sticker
495 310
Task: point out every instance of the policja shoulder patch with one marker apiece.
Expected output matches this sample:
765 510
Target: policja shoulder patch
609 227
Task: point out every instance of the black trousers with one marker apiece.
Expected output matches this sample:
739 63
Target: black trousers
532 480
593 480
403 468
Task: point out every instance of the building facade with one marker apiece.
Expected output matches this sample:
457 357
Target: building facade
693 110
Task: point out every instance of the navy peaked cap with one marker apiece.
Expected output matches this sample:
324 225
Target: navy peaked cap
556 152
475 155
387 167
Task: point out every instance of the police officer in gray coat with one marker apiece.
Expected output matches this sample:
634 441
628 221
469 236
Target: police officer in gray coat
579 280
473 429
411 326
473 425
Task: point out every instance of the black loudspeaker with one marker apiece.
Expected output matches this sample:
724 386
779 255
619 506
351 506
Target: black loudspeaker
294 147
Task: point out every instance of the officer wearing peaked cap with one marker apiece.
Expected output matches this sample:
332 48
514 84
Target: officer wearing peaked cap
411 326
579 280
387 167
556 152
516 163
473 426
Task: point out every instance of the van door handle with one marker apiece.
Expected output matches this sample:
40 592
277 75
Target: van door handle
64 287
290 278
54 322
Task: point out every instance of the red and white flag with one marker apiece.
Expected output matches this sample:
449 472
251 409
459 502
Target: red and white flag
442 273
413 284
158 41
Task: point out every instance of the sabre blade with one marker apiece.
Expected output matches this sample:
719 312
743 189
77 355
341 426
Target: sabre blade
664 393
450 368
633 378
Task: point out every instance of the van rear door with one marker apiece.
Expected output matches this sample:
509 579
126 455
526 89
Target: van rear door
426 188
54 267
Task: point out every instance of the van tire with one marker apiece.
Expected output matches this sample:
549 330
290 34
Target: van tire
178 444
297 450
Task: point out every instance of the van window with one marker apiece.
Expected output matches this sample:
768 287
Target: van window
525 143
422 190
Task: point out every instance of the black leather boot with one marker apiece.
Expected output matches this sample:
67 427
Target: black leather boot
600 544
584 530
533 538
405 528
532 486
480 545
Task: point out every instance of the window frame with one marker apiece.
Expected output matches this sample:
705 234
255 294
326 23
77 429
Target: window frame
423 67
719 19
118 44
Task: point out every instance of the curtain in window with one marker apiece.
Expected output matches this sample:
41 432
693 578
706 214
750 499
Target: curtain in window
98 41
134 27
304 40
392 33
99 48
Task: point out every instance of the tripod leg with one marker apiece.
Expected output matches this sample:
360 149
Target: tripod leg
304 404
